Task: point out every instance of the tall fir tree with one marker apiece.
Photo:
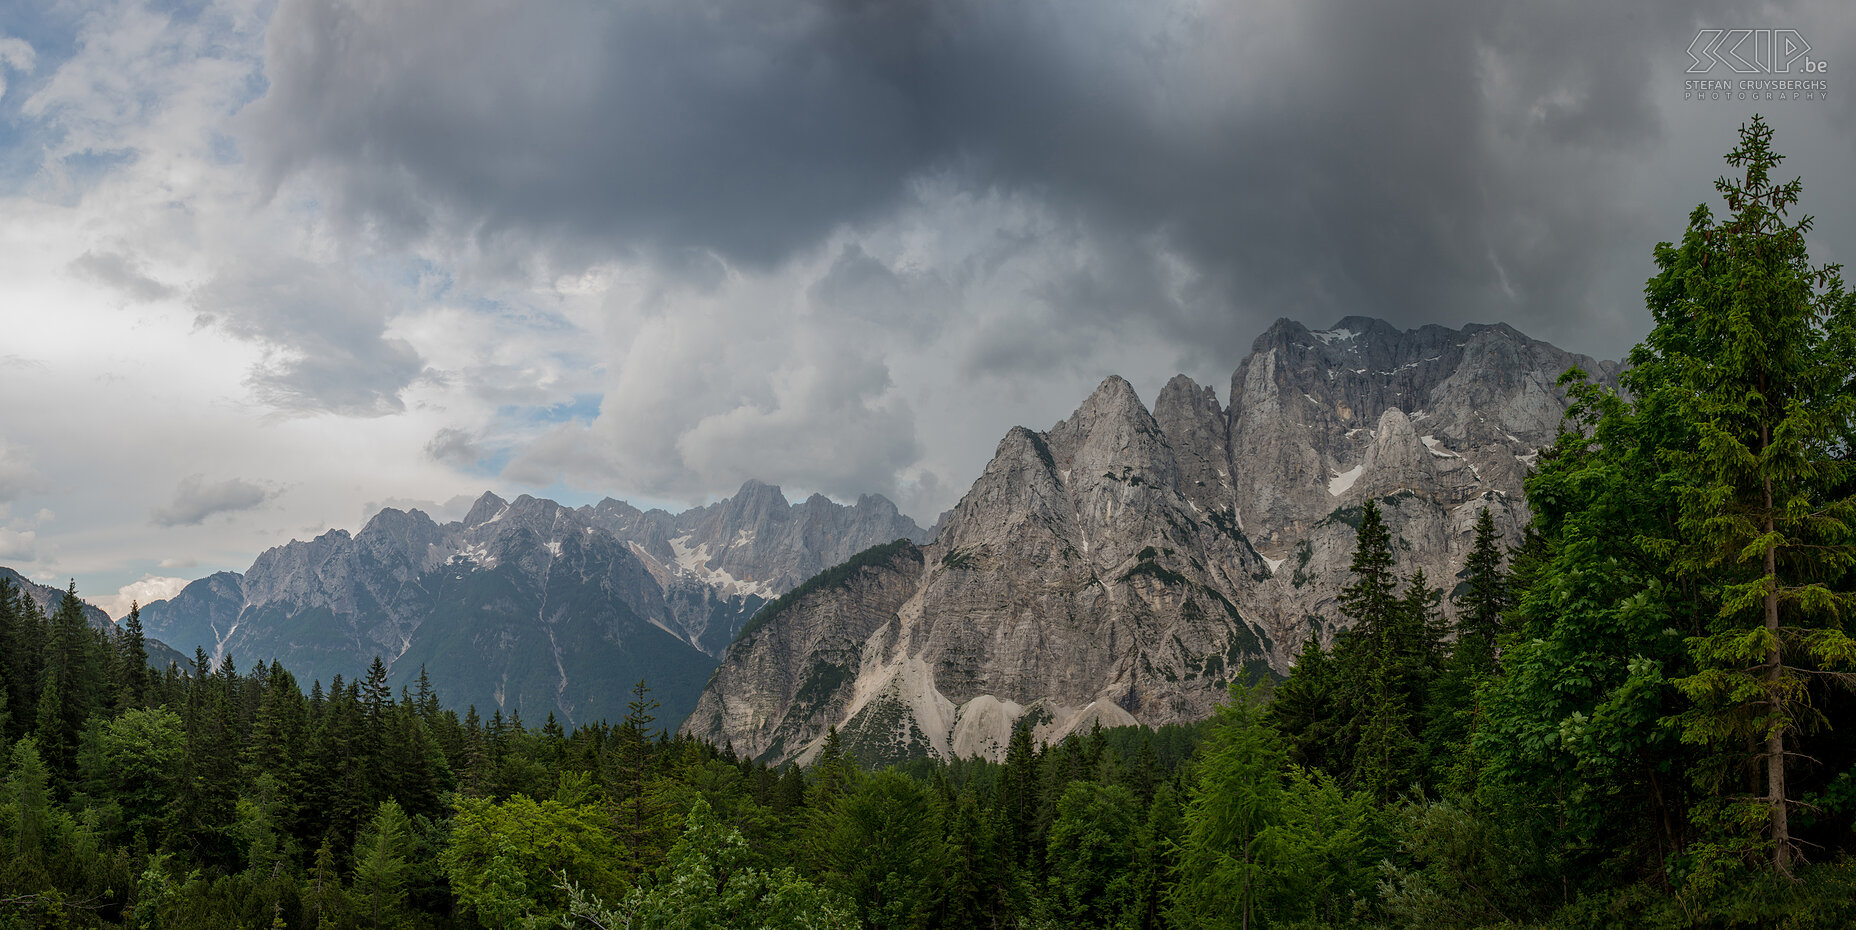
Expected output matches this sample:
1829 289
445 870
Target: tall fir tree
1370 601
72 672
132 672
1760 345
1482 601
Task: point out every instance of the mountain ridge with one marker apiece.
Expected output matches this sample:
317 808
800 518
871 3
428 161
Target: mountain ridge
1127 564
560 609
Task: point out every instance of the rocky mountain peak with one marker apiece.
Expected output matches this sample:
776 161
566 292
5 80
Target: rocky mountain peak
1196 427
1111 431
1127 565
487 508
757 500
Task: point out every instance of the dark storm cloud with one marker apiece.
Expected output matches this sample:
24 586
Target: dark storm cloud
745 127
195 499
1444 161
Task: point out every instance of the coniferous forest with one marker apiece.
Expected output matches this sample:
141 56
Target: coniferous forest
1640 717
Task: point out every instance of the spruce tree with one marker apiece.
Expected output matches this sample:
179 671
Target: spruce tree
1760 346
71 684
1237 799
1364 688
132 667
381 871
1371 600
636 814
1303 709
1481 603
1483 600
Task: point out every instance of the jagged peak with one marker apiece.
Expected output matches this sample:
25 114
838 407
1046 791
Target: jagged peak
1281 328
614 505
758 495
485 509
754 487
1017 443
877 503
1393 423
1476 329
1183 393
1113 399
1362 326
391 518
1114 388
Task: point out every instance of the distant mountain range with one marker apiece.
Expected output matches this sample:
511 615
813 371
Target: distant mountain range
526 605
1126 565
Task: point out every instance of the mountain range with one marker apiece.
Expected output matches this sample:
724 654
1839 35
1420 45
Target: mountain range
1125 565
526 605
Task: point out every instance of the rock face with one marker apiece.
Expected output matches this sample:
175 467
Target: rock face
1125 565
526 605
718 564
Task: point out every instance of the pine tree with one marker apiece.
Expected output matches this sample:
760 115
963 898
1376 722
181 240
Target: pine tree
29 802
324 900
636 814
380 871
1761 346
132 667
376 696
1371 715
1305 710
1017 798
1371 600
1483 600
72 675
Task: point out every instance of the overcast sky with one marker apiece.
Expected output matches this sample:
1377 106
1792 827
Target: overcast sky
267 267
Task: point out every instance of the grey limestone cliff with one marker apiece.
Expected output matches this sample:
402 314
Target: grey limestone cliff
1126 566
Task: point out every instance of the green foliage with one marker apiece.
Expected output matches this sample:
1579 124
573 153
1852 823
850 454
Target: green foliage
1466 863
1756 347
131 765
1597 746
1093 848
378 891
505 859
1237 797
882 847
709 881
1361 714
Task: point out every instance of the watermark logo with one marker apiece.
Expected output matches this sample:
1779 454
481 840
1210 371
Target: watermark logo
1753 51
1754 64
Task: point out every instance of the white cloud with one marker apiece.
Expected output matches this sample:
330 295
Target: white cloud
17 477
149 589
18 545
15 55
